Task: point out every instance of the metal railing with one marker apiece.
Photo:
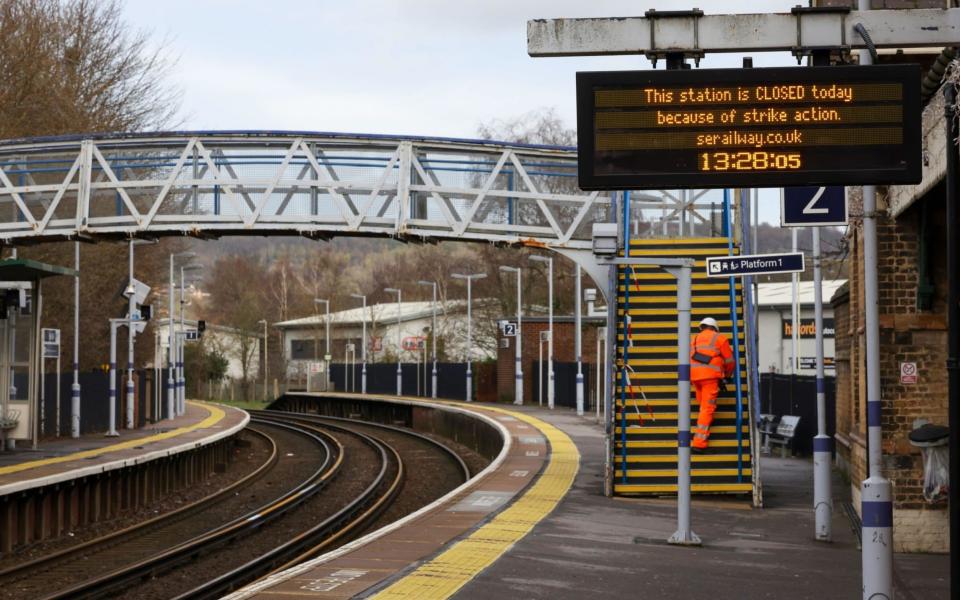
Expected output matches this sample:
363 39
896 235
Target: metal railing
310 184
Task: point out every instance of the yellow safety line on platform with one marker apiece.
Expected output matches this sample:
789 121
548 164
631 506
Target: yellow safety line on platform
451 570
215 416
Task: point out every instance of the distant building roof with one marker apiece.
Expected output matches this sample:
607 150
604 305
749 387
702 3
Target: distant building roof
385 312
780 293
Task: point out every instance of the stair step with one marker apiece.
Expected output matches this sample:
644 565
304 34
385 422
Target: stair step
716 488
673 443
648 450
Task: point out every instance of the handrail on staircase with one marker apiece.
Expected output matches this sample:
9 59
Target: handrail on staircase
728 231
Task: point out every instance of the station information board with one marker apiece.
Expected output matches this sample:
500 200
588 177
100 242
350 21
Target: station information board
769 127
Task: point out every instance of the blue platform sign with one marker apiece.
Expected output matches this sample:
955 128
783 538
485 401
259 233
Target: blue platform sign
813 206
755 264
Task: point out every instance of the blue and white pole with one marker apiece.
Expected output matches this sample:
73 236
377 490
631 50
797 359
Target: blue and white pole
112 425
578 348
822 443
683 536
876 493
131 336
75 388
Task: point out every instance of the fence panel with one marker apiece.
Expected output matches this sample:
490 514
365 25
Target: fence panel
797 395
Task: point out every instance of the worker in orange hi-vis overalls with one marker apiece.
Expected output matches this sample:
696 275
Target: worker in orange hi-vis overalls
711 361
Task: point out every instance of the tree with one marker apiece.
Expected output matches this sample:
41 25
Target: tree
239 298
74 66
204 364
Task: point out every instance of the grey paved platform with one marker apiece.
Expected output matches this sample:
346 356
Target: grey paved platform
597 547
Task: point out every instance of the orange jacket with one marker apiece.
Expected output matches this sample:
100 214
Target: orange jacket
711 344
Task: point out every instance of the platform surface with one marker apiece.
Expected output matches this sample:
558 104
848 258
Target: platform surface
597 547
438 549
585 545
62 459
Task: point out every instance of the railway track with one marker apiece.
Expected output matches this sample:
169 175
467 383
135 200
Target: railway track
105 564
158 546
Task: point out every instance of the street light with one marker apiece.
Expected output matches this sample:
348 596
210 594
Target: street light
518 394
363 344
469 279
172 406
433 334
326 356
266 359
399 294
549 261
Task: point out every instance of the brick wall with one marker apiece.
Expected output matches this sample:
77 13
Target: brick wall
907 334
563 351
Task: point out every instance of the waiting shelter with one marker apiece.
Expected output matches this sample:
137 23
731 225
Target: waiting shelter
21 307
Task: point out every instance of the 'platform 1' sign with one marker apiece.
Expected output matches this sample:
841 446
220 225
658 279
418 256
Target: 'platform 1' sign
756 264
812 206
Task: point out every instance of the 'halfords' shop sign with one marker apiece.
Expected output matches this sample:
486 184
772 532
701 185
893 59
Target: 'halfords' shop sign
808 329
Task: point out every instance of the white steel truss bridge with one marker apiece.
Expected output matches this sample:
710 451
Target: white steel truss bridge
319 185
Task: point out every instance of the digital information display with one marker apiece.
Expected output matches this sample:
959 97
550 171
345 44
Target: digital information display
770 127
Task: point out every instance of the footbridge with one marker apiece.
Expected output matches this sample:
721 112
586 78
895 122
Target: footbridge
318 185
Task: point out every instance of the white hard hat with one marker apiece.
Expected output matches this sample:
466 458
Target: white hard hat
710 321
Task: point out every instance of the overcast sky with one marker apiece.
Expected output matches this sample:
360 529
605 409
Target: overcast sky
422 67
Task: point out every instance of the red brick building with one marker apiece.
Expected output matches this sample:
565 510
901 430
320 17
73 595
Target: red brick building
913 329
563 352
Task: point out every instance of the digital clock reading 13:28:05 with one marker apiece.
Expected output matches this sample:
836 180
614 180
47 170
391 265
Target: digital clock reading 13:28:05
750 161
839 125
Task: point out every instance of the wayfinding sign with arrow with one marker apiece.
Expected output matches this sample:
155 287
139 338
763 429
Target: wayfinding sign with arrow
813 206
755 264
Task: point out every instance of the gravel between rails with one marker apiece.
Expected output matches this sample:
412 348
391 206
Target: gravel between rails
297 454
360 467
244 460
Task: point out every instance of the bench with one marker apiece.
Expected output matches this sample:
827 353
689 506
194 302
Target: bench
784 434
767 427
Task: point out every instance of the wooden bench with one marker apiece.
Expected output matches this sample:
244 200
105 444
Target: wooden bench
783 436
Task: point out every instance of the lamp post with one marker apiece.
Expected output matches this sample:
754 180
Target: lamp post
469 349
172 407
131 308
327 356
75 388
266 360
549 261
433 334
578 346
518 394
363 343
183 340
399 294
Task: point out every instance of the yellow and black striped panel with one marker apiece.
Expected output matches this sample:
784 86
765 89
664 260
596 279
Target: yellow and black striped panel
645 431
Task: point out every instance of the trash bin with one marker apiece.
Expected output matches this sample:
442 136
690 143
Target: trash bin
933 441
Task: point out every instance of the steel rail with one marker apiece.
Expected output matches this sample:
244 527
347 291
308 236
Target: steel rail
110 582
19 571
452 454
347 521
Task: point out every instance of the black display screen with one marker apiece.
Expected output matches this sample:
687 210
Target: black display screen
770 127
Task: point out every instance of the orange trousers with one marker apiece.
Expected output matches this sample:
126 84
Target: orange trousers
707 392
